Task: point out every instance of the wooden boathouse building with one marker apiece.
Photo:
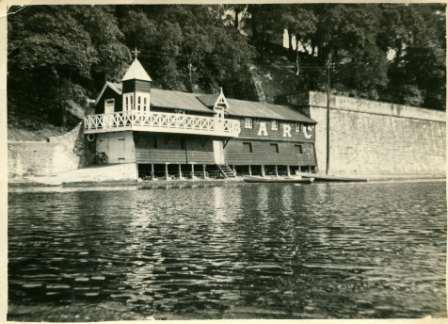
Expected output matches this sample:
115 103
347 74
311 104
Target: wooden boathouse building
179 134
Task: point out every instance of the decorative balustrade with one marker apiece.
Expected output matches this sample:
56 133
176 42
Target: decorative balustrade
162 123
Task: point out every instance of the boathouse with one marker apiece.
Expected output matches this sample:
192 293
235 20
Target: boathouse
170 133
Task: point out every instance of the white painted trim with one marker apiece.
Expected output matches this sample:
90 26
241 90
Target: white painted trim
161 123
221 99
107 84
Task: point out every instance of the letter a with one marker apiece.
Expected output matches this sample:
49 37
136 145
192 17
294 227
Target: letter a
262 130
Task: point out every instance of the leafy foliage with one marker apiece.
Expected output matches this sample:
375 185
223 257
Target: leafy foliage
380 51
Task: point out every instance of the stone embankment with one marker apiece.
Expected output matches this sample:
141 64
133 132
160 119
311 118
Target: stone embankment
46 157
377 139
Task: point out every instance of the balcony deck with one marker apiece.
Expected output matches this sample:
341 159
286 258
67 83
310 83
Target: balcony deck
161 123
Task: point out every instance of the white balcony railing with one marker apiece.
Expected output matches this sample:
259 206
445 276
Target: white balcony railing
162 123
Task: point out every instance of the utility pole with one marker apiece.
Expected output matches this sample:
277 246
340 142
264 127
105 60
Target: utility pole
329 67
190 76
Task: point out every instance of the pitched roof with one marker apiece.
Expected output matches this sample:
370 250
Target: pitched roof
255 109
171 99
208 100
177 100
117 87
136 71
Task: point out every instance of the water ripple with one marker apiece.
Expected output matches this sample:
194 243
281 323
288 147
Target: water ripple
234 251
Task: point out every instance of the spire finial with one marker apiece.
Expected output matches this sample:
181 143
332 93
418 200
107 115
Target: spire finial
135 52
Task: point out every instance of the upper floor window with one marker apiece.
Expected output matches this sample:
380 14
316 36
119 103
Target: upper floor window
274 125
275 148
247 122
144 103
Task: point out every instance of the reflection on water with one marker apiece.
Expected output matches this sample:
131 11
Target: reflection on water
254 250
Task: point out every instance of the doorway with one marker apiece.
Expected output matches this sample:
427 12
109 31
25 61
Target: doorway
218 152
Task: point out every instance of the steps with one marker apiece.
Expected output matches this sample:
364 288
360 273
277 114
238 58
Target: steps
226 171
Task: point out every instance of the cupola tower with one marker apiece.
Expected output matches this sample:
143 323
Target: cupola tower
136 87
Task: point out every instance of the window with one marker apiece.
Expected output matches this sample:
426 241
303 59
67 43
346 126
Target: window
144 103
299 148
138 103
274 125
248 122
275 148
247 147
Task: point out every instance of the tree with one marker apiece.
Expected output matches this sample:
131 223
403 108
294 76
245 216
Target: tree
415 34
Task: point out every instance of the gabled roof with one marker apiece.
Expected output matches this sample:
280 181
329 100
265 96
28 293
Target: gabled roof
203 103
256 109
177 100
136 71
117 87
208 99
213 100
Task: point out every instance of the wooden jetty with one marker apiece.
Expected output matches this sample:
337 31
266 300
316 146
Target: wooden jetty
332 178
278 180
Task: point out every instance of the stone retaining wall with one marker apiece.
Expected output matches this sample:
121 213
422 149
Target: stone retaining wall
45 158
377 138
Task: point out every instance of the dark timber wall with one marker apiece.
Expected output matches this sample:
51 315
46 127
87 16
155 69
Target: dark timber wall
279 134
265 152
182 149
136 85
290 144
109 94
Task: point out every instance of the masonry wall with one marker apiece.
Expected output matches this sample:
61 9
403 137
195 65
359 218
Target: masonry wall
43 158
376 138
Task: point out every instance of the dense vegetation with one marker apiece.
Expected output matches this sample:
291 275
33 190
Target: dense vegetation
378 51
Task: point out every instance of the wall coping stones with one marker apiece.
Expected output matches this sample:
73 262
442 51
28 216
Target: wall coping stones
319 100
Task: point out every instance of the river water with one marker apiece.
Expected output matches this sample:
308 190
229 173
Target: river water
365 250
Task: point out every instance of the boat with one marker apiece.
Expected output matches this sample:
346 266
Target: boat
278 180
